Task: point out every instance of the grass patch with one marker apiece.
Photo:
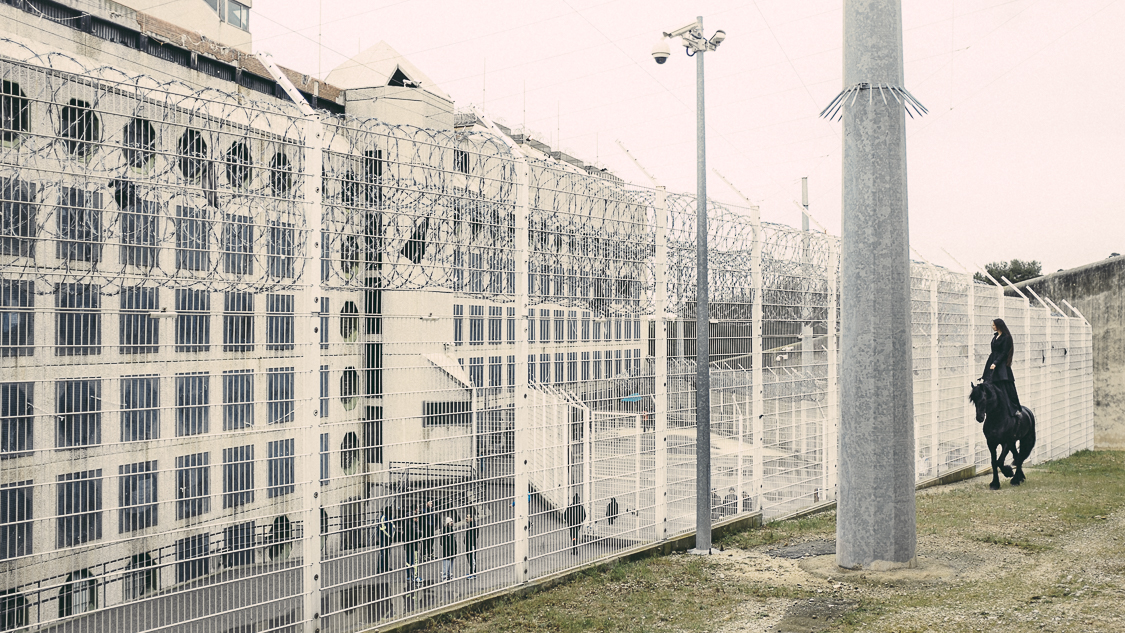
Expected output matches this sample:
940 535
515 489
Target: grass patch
689 593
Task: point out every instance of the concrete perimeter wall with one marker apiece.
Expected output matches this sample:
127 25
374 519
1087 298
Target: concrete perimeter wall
1097 290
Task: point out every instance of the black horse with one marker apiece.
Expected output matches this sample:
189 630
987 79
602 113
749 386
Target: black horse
1001 428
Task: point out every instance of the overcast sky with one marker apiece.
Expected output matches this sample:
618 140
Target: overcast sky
1021 155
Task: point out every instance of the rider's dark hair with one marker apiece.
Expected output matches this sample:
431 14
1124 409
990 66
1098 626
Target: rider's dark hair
1004 331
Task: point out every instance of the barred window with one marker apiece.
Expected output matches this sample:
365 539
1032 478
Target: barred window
495 371
192 404
628 330
280 175
79 128
279 385
544 326
349 453
616 330
373 435
349 322
79 594
193 485
531 326
458 413
560 326
238 245
458 325
239 165
193 320
585 327
572 326
476 325
14 112
279 322
192 557
545 369
585 366
17 318
238 545
280 249
238 476
559 378
78 320
531 368
628 359
637 330
495 325
476 371
78 416
512 326
140 333
15 519
572 366
324 457
18 224
140 408
78 220
280 474
609 364
238 322
238 399
17 418
138 143
193 239
597 330
142 577
324 317
139 228
137 496
79 508
597 365
192 150
324 391
617 362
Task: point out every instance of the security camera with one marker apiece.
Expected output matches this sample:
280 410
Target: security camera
661 52
718 38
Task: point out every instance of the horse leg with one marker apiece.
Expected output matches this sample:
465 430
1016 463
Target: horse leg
1004 468
1027 442
995 485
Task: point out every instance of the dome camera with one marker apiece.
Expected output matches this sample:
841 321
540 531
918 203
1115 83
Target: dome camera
661 52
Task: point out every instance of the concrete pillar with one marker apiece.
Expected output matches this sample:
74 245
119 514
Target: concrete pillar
876 515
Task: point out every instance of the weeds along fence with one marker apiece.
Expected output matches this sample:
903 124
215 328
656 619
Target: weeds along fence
266 372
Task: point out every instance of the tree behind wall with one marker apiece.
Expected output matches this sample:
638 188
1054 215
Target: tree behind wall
1016 271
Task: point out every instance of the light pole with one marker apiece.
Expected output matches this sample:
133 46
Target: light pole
695 44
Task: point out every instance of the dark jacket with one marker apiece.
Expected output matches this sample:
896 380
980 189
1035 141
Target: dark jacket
1001 356
470 535
448 541
575 515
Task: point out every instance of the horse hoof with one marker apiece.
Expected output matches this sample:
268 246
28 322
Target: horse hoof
1007 470
994 485
1016 482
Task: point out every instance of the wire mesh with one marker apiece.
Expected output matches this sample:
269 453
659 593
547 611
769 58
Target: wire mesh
262 372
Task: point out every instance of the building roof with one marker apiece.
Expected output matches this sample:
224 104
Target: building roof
381 65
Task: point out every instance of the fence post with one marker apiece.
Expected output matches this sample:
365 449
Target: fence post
520 431
935 368
1046 381
757 411
1066 387
660 395
971 435
833 418
308 466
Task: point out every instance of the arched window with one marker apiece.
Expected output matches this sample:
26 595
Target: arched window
14 112
349 390
140 577
79 128
192 150
79 594
281 175
349 322
349 256
349 454
280 538
138 142
239 165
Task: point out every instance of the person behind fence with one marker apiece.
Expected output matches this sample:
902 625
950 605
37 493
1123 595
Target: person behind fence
448 548
998 367
471 533
574 516
429 526
410 544
384 536
612 509
747 502
730 503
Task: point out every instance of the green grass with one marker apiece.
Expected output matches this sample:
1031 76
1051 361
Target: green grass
685 593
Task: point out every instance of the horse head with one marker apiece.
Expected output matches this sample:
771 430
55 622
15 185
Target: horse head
982 398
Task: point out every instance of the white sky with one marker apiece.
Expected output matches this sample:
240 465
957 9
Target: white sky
1022 154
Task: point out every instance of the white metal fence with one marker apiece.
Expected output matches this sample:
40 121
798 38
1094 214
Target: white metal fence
266 372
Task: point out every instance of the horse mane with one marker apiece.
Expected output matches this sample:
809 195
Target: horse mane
994 391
